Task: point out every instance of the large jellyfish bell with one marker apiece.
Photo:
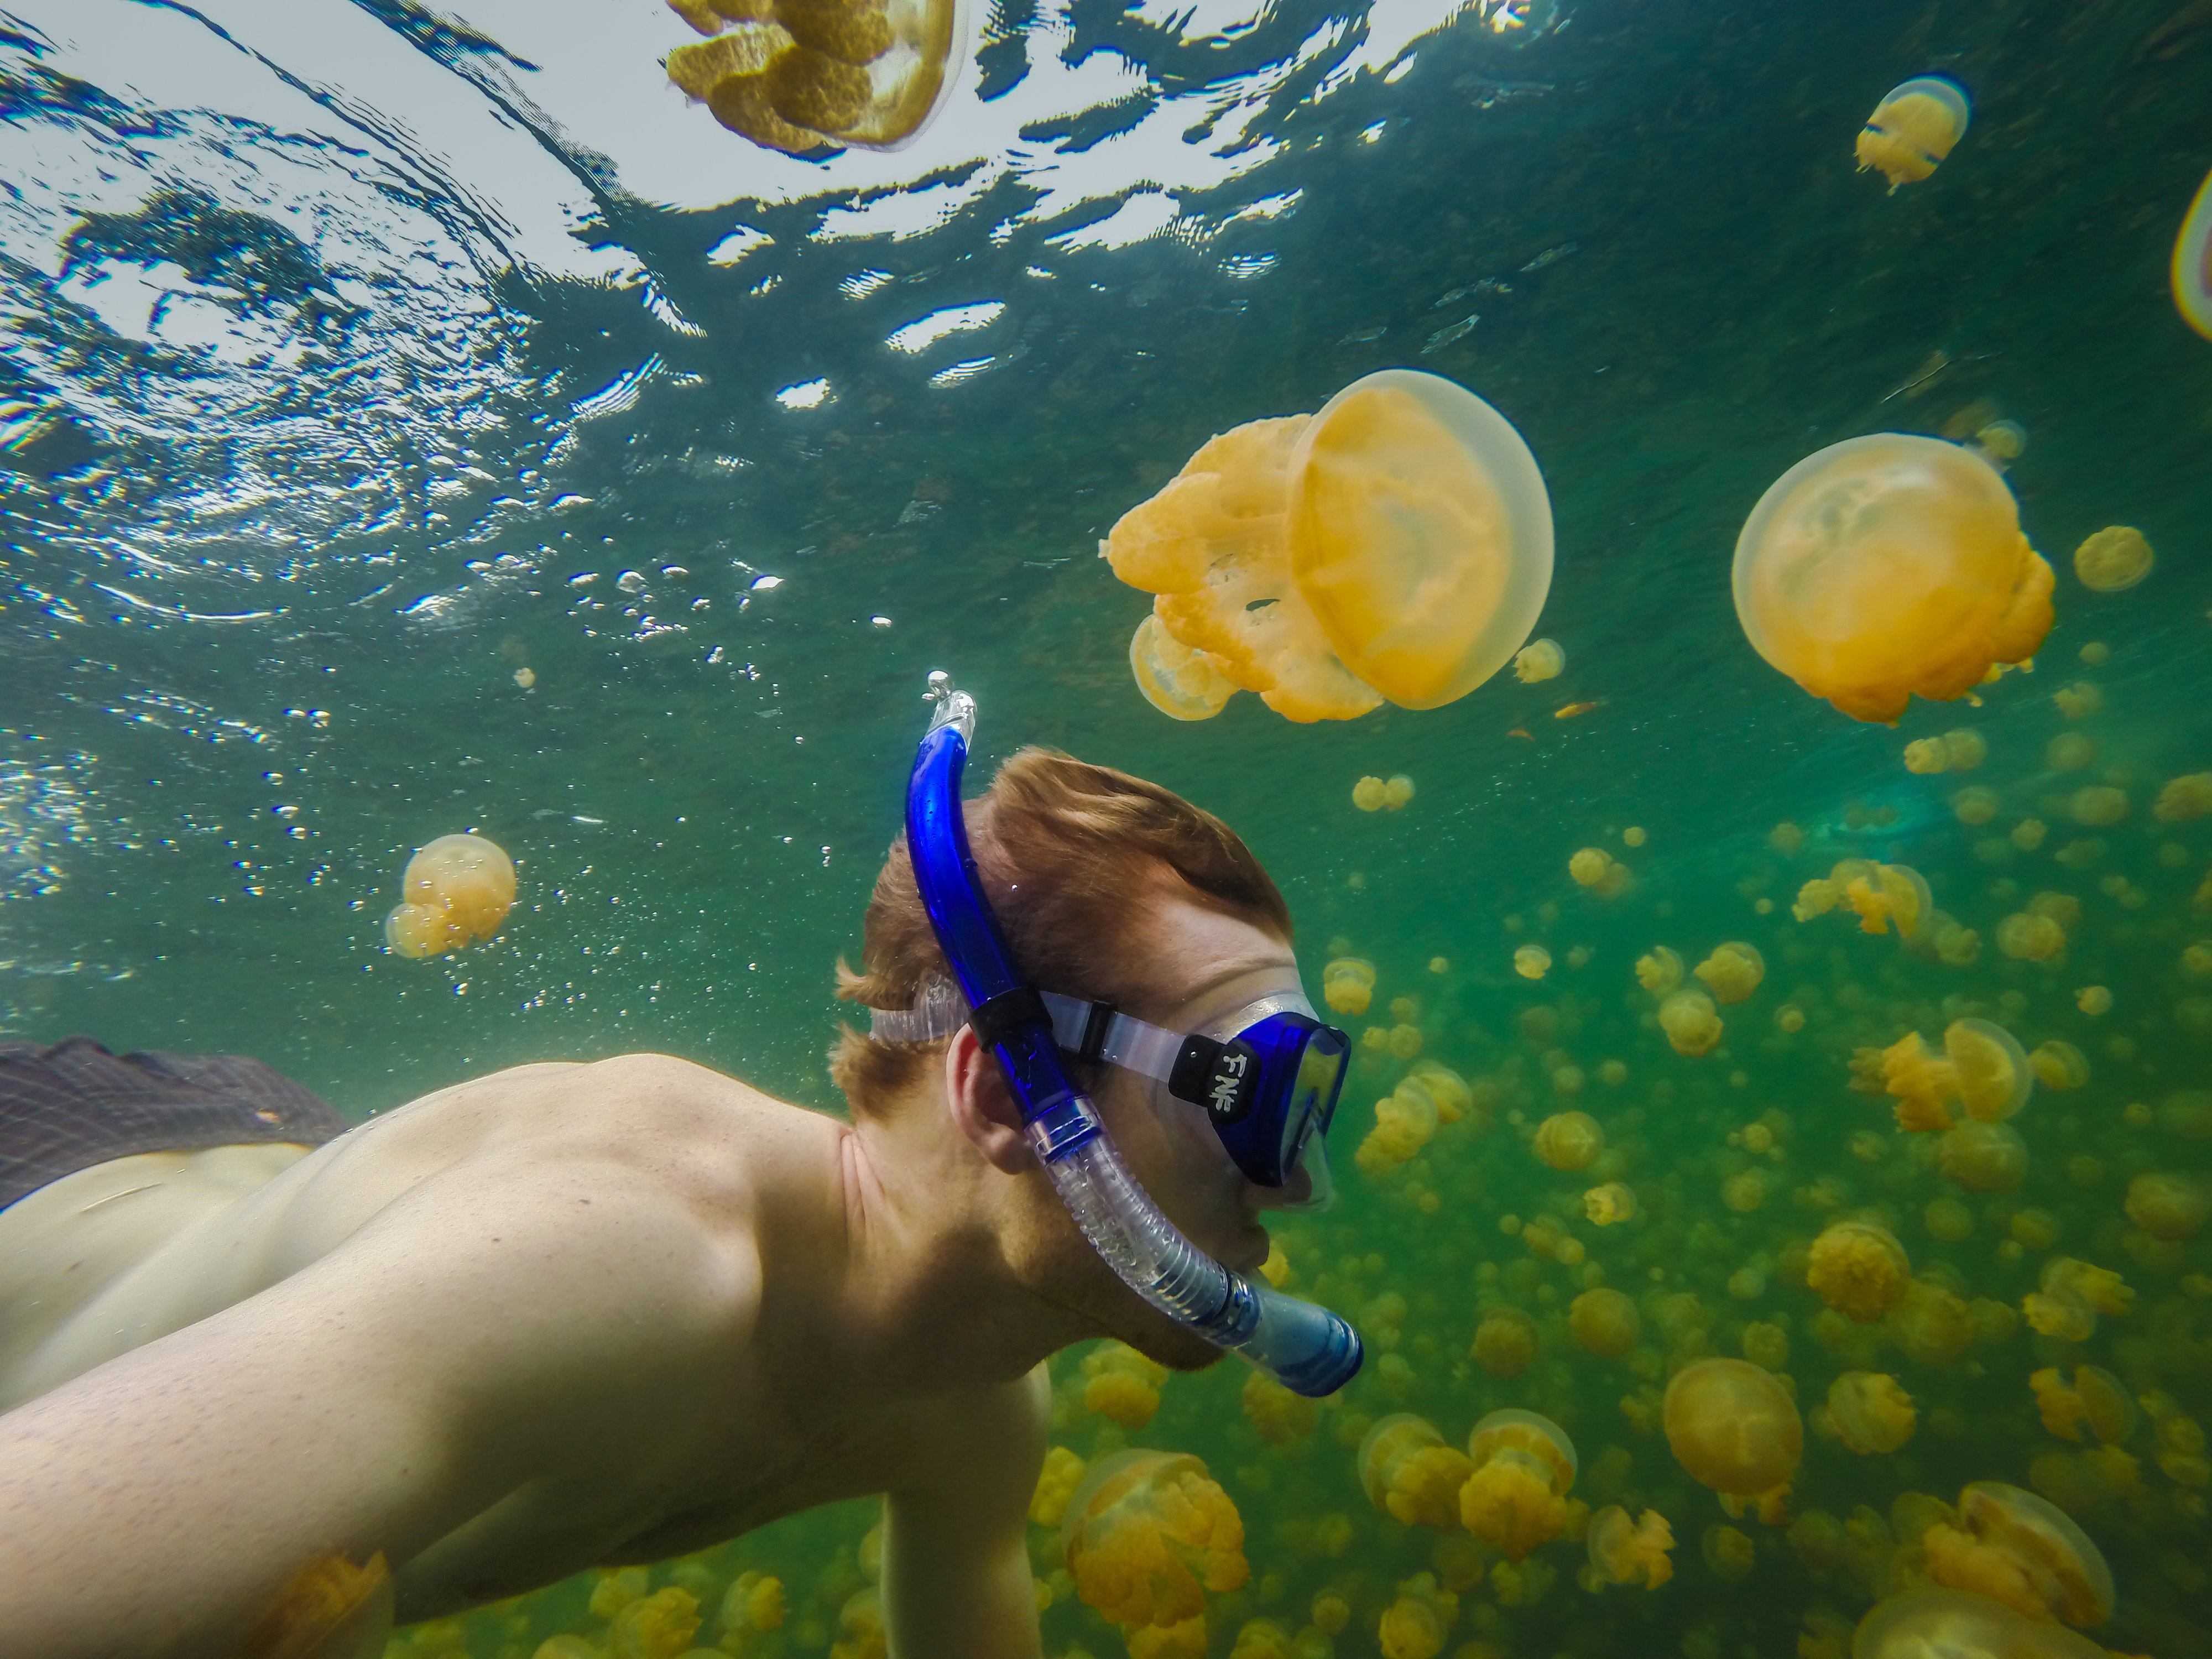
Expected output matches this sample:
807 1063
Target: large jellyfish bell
1889 565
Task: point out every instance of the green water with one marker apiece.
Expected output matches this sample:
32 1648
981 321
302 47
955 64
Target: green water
204 821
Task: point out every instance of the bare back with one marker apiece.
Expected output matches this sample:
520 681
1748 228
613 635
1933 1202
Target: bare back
571 1314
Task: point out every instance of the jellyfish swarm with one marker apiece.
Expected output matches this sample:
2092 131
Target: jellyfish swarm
1923 1622
457 889
1734 1428
1410 1473
1887 566
2192 263
1913 129
1146 1536
1621 1551
2020 1549
802 75
1397 545
1516 1498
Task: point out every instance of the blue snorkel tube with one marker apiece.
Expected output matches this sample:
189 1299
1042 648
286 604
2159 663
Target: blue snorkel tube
1307 1348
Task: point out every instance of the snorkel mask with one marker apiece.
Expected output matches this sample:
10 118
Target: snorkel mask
1269 1086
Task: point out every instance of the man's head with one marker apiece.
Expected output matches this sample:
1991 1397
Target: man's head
1112 889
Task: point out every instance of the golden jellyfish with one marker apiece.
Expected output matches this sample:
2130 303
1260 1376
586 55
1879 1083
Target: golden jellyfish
1913 128
1974 806
1147 1536
1733 972
2026 937
2097 1402
1729 1554
2190 270
1568 1140
1622 1551
1933 1326
2078 700
1785 838
1732 1427
1418 1623
1869 1413
1505 1343
1516 1500
1347 985
1279 1415
2073 1294
1633 836
1123 1384
1540 659
2059 1065
1405 1121
1610 1204
1057 1480
1890 565
1983 1157
456 889
2098 806
1919 1623
1396 546
2168 1205
1397 790
1263 1638
1588 866
1368 794
1692 1026
801 76
1789 1018
656 1627
2094 1000
2113 559
2020 1549
1927 756
1532 962
1659 970
1882 893
1858 1269
2188 796
1410 1473
1605 1321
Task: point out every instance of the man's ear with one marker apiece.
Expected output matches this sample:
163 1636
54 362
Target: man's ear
983 1106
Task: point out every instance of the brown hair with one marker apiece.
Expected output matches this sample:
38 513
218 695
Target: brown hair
1066 852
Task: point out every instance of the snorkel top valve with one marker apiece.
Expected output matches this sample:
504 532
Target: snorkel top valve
1308 1349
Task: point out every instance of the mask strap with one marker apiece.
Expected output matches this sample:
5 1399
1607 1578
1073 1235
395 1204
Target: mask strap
1096 1031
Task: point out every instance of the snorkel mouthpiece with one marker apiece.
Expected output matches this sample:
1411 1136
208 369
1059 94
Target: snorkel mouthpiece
1310 1350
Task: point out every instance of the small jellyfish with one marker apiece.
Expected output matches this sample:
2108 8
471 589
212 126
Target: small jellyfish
1967 748
1992 1076
2079 700
2098 806
1347 985
1732 1427
1146 1537
526 676
1505 1343
2026 937
1418 1623
1858 1269
2020 1549
1122 1385
1057 1481
1882 893
1982 1157
2094 1000
1729 1554
1975 805
2001 441
2190 270
1919 1623
1871 1415
1568 1140
1733 972
2113 559
1410 1473
1610 1204
2168 1205
1633 836
1532 962
1369 795
1890 565
2187 797
1397 790
1927 756
1691 1025
456 889
1913 128
1516 1500
2059 1065
1588 866
1605 1321
1540 659
1622 1551
1659 970
2073 1294
804 76
1280 1416
2097 1402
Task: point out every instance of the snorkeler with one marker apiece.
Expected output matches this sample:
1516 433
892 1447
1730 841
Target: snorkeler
573 1315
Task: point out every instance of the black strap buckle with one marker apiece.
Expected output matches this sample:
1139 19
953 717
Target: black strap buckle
1000 1017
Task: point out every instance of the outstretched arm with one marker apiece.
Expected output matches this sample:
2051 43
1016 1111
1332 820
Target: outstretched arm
956 1581
372 1401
